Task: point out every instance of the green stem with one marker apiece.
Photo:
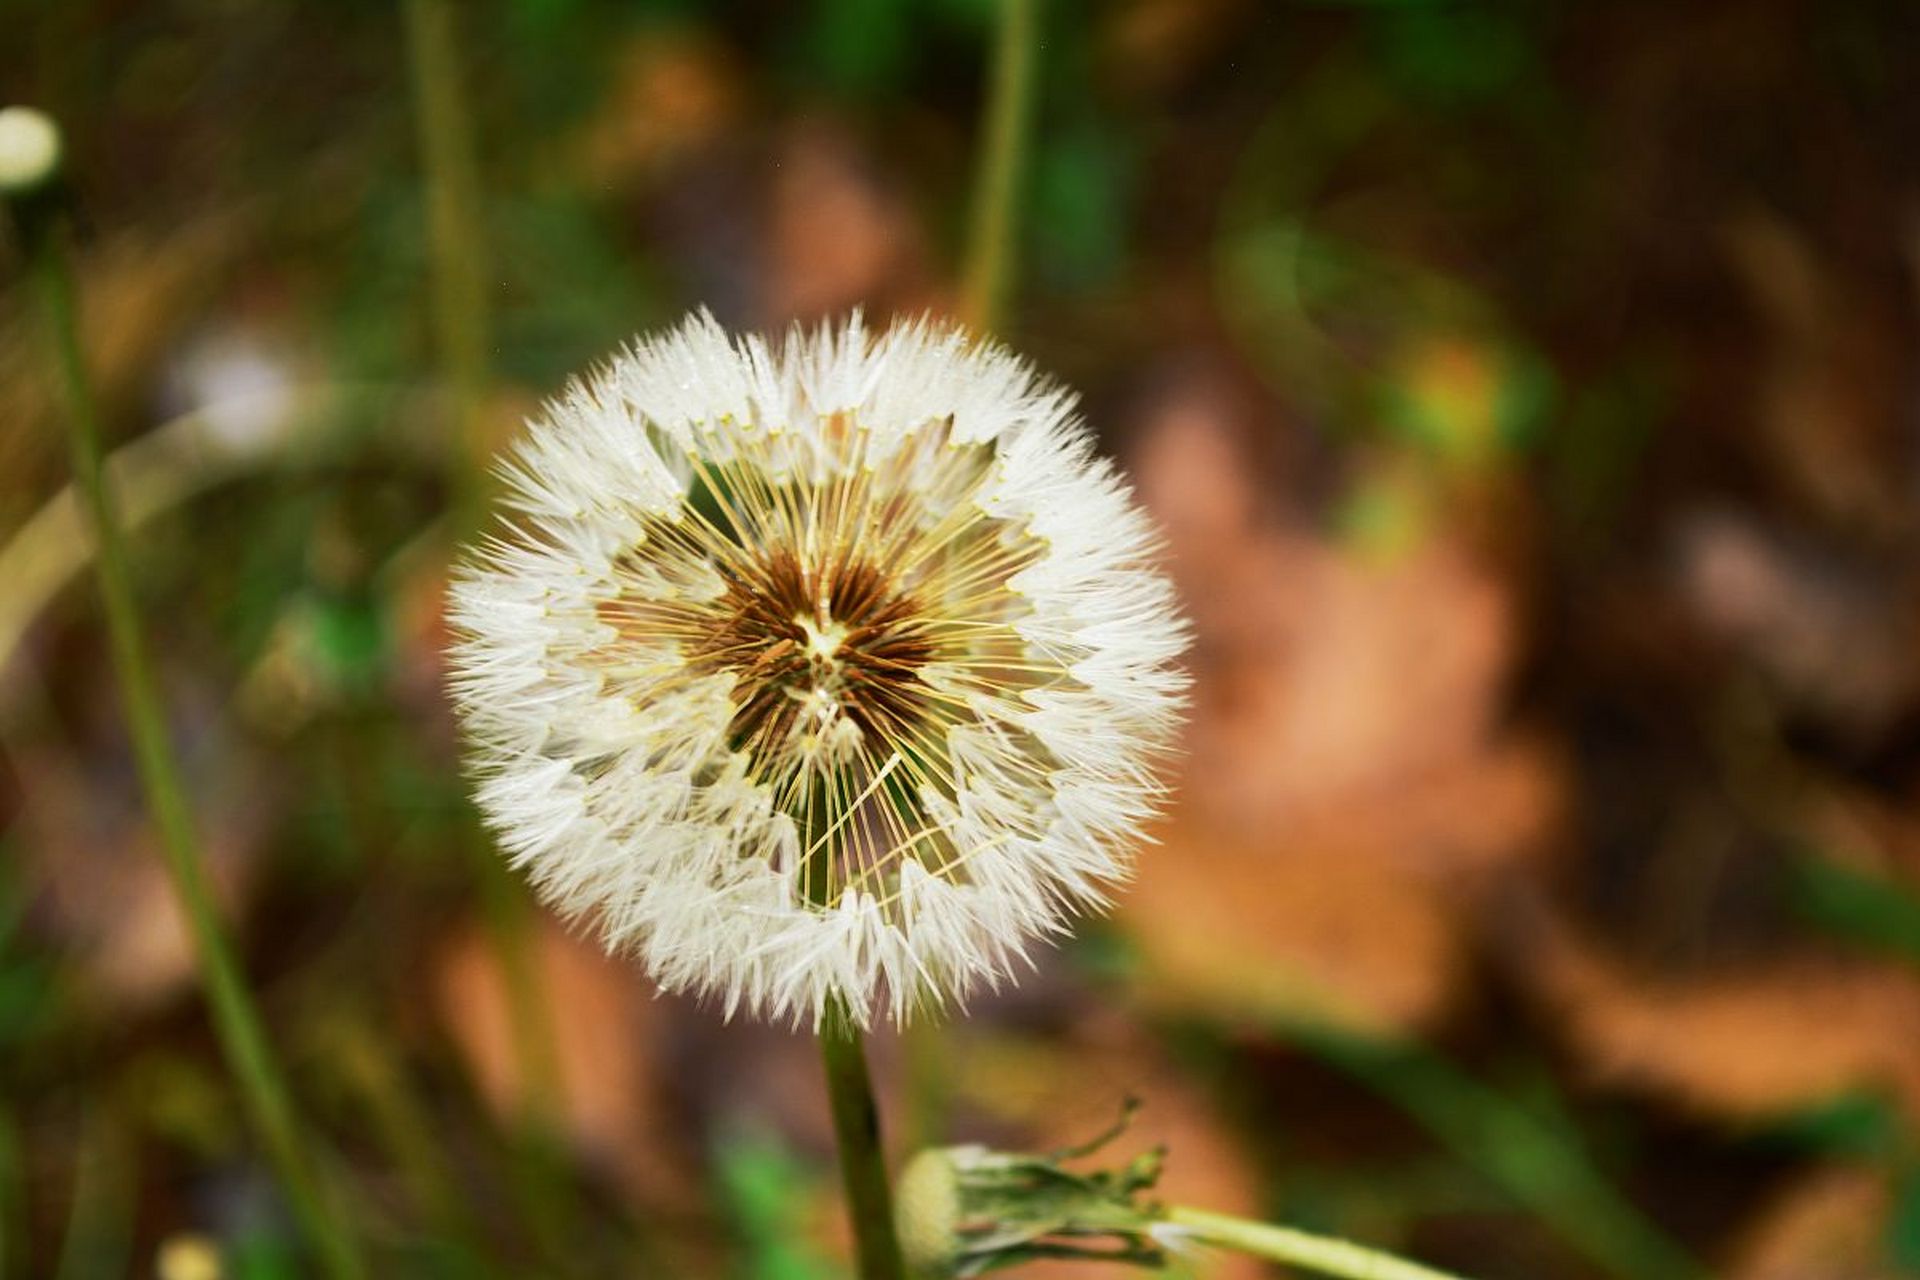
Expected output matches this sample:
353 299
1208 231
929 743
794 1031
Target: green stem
863 1166
992 239
1323 1254
235 1018
986 276
458 302
460 314
456 244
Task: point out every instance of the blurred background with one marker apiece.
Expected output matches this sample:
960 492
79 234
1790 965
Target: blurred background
1529 395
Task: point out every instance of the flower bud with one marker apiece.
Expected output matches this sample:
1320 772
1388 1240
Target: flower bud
29 150
963 1211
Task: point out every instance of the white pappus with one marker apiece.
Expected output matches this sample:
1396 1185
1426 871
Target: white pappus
828 672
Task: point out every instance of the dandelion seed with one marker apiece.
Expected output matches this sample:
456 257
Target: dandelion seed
831 670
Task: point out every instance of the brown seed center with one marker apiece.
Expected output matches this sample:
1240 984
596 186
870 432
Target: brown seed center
813 643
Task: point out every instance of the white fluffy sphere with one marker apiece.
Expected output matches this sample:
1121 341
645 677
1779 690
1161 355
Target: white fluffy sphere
829 672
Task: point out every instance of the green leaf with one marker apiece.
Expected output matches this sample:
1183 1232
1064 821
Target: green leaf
1866 910
1858 1125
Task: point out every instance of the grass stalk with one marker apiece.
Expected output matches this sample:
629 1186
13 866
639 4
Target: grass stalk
236 1020
457 254
993 231
461 319
456 243
986 277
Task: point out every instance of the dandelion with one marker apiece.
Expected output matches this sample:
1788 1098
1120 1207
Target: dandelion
824 674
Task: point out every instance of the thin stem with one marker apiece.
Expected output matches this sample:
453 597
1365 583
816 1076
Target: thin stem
987 273
459 310
992 239
863 1166
235 1018
455 242
1323 1254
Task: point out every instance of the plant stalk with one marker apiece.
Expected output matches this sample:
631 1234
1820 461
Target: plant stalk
456 244
1322 1254
236 1020
987 272
863 1165
993 232
458 306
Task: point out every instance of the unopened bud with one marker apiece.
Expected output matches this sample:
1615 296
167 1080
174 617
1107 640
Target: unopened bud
29 150
961 1211
926 1210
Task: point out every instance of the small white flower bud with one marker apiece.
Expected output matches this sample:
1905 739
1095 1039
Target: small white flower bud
962 1211
926 1213
29 150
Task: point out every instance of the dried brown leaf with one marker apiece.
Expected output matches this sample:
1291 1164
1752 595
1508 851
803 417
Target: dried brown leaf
603 1025
1826 1226
1747 1044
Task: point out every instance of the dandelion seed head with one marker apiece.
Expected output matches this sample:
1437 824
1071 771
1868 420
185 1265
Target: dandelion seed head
832 669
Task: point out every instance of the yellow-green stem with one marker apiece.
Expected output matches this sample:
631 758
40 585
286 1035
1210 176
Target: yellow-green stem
863 1162
1300 1249
235 1018
456 245
457 254
986 277
993 234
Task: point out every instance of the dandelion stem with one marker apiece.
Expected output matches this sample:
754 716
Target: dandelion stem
236 1020
863 1165
1323 1254
992 238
